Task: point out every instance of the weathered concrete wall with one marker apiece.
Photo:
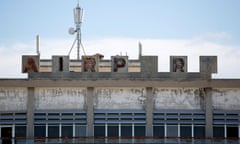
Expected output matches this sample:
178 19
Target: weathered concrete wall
226 99
60 63
177 98
119 98
59 98
149 64
13 99
208 64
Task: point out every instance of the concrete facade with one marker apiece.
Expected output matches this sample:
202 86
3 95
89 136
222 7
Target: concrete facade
60 63
13 98
146 103
149 64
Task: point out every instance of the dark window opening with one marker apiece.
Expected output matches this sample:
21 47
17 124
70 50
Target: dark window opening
126 131
158 131
81 130
20 131
218 132
139 130
40 131
199 131
53 131
113 131
99 131
67 131
6 135
185 131
60 63
232 132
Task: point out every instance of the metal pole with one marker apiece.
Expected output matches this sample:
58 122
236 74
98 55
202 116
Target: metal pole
78 43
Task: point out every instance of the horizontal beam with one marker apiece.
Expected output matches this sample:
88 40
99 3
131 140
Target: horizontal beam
214 83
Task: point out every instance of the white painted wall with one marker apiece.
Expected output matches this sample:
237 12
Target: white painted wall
227 99
119 98
177 98
13 99
59 98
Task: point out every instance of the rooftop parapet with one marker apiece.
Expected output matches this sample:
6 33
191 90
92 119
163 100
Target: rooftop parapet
93 66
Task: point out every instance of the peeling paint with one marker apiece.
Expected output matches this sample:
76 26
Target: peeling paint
119 98
226 99
177 98
60 98
13 99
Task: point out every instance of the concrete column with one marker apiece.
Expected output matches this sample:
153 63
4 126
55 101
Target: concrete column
30 112
149 111
90 112
208 113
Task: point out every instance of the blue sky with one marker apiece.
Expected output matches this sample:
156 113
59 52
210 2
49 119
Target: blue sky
168 24
22 20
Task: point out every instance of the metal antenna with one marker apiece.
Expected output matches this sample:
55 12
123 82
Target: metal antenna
78 14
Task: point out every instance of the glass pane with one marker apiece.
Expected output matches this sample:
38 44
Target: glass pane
199 131
6 132
158 131
126 131
139 130
113 131
53 131
67 131
40 131
172 131
99 130
80 130
218 132
20 131
185 131
232 132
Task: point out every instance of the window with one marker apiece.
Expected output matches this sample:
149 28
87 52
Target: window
80 131
232 132
20 131
172 131
199 131
53 131
185 131
218 131
158 131
113 130
99 131
67 131
126 130
139 130
40 131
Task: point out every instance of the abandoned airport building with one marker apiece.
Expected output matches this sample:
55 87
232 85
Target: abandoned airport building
119 97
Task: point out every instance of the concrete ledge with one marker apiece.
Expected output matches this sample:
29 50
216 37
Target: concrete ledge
117 76
214 83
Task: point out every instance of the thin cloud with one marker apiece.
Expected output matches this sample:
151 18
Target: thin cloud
219 36
213 38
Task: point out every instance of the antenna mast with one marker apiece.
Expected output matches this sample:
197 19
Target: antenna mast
37 45
78 14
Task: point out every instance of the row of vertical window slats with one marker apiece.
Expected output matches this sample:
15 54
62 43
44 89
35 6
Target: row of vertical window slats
13 118
179 117
226 117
